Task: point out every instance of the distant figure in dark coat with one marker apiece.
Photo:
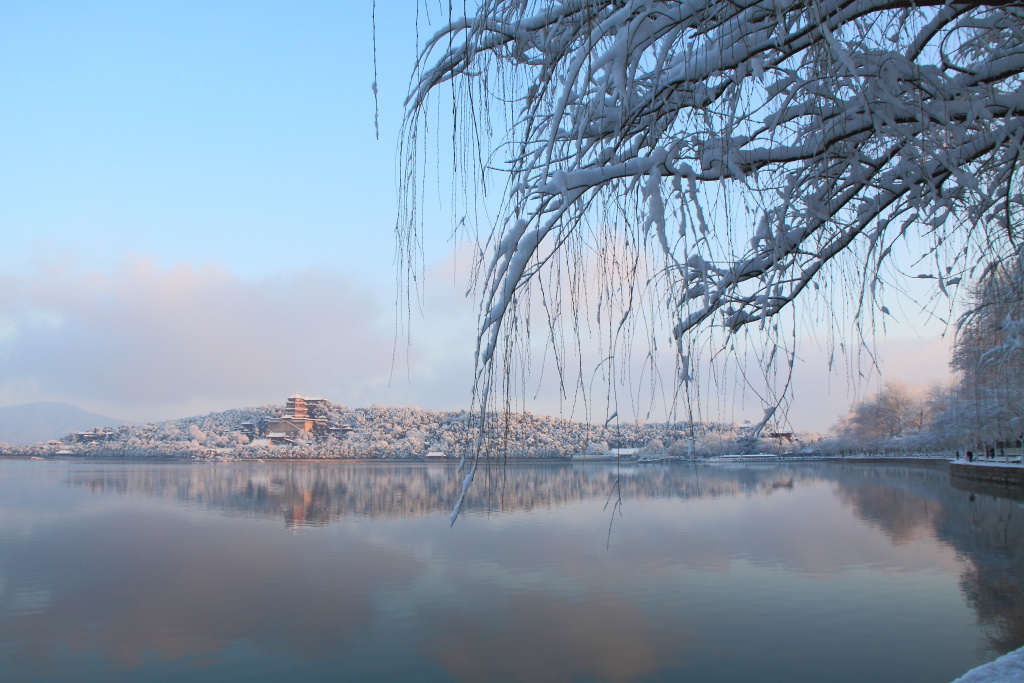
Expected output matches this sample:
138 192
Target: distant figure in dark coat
970 456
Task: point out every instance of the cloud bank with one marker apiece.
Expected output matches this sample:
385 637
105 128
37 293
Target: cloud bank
139 342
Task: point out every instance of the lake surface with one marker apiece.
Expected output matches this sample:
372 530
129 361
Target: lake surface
777 572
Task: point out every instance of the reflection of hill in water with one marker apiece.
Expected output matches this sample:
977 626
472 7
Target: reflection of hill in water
898 500
904 502
319 493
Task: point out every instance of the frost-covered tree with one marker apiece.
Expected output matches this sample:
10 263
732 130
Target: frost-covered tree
945 430
989 357
893 412
718 159
654 446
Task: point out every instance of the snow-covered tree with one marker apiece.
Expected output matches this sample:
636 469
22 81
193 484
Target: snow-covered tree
895 411
654 446
720 159
989 357
945 430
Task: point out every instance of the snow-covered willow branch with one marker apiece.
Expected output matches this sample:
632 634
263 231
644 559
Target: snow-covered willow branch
757 148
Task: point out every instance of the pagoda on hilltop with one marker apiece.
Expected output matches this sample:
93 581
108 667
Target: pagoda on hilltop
302 414
303 407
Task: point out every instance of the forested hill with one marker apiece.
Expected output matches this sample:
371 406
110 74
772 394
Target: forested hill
377 432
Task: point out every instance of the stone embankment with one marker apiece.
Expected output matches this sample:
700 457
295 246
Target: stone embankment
1005 474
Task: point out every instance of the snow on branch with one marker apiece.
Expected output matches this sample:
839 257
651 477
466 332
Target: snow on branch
746 144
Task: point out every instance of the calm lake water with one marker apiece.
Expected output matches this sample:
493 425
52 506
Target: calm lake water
802 572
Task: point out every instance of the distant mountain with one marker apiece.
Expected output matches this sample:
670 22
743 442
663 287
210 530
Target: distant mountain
32 423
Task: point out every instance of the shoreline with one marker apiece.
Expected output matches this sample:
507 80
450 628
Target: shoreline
1003 475
503 460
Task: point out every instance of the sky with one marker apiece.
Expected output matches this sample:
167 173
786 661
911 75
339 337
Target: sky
198 214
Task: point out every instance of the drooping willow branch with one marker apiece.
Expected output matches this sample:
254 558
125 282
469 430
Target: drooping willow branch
750 146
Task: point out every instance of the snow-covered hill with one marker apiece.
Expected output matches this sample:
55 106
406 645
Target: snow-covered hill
390 432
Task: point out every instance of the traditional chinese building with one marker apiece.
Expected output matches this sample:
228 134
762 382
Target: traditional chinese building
302 414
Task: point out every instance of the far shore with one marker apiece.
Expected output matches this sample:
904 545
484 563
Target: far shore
491 459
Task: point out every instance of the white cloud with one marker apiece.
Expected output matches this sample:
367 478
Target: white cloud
140 342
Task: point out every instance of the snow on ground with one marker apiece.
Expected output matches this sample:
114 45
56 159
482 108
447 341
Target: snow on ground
1007 669
990 463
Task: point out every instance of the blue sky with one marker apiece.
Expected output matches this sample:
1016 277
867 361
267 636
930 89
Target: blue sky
202 132
197 215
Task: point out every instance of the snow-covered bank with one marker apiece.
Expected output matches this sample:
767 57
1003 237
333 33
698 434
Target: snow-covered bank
1001 473
1007 669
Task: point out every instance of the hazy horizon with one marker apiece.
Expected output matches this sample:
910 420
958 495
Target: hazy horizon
200 217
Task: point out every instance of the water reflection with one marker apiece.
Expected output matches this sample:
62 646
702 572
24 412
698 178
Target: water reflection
991 533
148 585
903 502
316 494
976 520
711 569
608 639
